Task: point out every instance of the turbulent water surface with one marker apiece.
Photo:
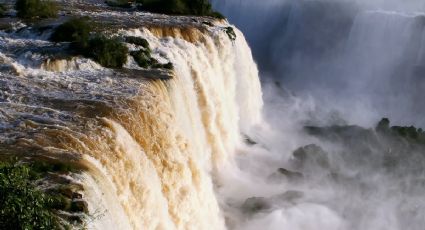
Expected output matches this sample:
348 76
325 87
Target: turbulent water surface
193 148
335 65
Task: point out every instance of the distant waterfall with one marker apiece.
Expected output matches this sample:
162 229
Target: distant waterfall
332 50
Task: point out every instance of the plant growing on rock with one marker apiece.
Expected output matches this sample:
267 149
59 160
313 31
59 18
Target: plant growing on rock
119 3
3 10
25 205
29 9
138 41
106 51
22 204
180 7
76 30
230 33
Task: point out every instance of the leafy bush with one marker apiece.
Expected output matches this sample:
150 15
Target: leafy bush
383 125
180 7
2 10
107 52
138 41
119 3
36 9
410 133
230 33
22 205
143 58
76 30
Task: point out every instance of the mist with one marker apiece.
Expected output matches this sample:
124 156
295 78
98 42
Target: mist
330 71
368 55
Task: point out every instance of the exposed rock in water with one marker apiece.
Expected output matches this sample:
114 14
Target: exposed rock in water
310 155
290 196
255 204
248 140
79 206
283 173
263 204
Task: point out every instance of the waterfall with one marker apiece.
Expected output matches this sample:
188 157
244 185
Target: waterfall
150 149
331 50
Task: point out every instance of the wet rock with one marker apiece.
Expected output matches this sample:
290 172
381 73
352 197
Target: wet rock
71 191
290 196
248 140
290 175
79 206
283 173
310 155
75 218
255 204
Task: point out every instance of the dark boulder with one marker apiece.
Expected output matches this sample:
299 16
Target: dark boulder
255 204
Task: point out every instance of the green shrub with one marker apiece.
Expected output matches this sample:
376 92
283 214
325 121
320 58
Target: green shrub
138 41
180 7
143 58
3 10
230 33
36 9
168 65
22 204
383 125
216 14
76 30
107 52
119 3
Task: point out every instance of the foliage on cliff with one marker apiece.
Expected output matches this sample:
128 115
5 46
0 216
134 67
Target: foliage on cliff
180 7
76 30
175 7
22 204
107 52
410 133
27 203
29 9
2 10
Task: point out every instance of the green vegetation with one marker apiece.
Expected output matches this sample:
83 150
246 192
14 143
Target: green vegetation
409 132
22 204
76 30
180 7
108 52
119 3
3 10
111 53
231 33
143 58
138 42
30 9
383 125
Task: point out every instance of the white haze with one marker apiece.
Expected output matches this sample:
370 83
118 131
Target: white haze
372 70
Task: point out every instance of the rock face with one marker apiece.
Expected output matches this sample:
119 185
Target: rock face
310 156
147 145
255 204
285 174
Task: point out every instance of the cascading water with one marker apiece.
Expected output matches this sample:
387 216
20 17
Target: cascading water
329 64
193 151
150 149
